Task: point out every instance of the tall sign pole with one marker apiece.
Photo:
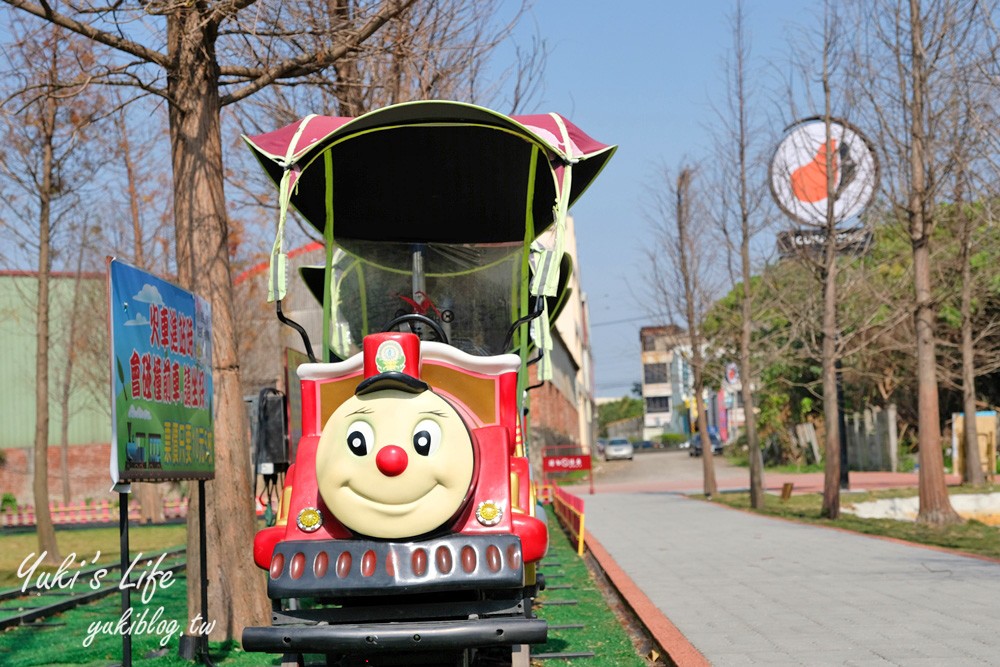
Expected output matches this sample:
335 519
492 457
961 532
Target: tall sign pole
806 191
161 401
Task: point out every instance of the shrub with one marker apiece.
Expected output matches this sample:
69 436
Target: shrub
8 502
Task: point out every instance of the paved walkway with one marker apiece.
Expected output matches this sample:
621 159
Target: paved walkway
747 590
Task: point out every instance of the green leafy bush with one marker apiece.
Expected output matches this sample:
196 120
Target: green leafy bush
8 502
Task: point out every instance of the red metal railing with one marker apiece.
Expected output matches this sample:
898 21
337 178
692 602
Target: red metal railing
95 512
569 509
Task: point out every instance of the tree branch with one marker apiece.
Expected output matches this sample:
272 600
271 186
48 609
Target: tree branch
227 9
108 39
308 63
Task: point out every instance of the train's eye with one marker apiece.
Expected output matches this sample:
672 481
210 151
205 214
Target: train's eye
426 437
360 437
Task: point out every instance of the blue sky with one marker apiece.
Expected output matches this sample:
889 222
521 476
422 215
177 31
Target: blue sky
641 74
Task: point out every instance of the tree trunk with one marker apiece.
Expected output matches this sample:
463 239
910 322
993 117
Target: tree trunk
237 591
67 382
40 486
831 404
689 278
831 408
935 504
746 391
973 469
711 487
746 324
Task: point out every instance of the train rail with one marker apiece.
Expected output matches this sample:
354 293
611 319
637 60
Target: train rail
27 605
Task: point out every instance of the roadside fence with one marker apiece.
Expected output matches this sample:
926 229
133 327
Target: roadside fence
104 511
569 509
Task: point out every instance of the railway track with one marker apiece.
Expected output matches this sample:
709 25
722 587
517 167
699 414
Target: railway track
27 605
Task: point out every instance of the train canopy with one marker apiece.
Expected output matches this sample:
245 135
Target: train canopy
431 171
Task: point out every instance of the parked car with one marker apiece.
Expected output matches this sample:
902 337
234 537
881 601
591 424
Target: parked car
695 444
618 448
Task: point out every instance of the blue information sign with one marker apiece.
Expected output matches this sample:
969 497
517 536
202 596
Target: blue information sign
161 378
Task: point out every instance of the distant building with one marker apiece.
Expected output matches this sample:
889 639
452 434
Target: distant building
572 359
668 388
88 423
666 380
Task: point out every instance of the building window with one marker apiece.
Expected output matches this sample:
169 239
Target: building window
648 343
656 373
658 404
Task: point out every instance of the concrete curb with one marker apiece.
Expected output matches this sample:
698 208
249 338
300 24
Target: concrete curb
680 651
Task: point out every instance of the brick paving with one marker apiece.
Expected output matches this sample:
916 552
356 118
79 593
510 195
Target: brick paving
743 589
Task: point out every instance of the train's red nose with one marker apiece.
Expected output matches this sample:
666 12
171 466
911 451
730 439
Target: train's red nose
391 460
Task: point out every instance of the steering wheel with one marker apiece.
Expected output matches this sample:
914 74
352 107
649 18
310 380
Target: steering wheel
417 318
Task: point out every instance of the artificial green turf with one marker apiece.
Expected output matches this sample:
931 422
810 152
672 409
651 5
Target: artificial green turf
85 543
59 640
603 634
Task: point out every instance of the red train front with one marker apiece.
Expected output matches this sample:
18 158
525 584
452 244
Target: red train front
399 507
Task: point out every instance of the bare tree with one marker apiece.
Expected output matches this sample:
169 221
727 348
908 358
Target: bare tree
681 258
69 363
199 58
740 220
935 505
823 179
974 163
917 105
45 126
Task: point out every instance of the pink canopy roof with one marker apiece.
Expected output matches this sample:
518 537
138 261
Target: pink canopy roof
433 171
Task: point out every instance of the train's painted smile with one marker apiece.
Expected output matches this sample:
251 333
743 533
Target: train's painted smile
395 508
392 464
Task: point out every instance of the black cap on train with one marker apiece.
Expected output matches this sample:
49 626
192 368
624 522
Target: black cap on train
392 361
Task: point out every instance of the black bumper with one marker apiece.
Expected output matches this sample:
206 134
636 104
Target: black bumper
393 637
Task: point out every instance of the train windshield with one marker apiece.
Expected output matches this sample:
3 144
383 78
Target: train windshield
472 291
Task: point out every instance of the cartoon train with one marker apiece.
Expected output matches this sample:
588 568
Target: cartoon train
409 504
407 531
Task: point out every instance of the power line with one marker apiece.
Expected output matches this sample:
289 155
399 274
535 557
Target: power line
628 319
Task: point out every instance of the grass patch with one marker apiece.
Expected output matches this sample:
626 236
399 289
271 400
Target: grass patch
743 460
568 477
85 543
603 634
60 641
971 536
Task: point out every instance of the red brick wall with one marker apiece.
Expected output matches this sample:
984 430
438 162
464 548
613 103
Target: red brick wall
553 417
89 470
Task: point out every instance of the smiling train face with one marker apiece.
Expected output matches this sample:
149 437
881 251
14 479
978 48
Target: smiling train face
393 463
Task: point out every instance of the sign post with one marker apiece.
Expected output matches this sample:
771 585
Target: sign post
552 462
161 400
801 186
